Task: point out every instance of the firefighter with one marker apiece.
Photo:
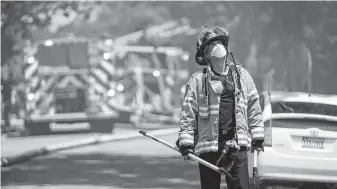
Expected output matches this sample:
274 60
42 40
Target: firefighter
221 118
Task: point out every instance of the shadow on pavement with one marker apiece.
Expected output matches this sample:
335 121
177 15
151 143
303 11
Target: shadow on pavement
104 170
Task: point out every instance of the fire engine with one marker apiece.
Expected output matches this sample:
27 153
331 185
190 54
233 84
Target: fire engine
63 88
79 83
151 82
108 85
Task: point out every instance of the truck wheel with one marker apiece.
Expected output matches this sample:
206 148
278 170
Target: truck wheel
38 128
102 126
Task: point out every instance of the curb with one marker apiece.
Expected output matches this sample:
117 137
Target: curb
25 156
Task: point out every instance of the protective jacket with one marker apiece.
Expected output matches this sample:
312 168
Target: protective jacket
199 122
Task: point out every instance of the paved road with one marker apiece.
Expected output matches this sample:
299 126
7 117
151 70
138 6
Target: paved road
138 163
135 163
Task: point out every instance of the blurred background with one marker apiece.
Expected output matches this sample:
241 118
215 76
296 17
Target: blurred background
103 67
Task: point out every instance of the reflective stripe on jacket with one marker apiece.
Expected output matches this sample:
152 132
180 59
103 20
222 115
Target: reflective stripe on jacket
199 122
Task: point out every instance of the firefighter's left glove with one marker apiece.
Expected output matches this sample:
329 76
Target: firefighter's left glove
257 145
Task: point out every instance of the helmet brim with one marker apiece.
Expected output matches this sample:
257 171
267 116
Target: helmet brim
200 58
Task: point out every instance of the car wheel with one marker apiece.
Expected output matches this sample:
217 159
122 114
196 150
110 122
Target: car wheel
331 186
262 186
318 186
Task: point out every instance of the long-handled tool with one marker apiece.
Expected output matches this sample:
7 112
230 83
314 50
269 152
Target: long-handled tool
191 156
255 171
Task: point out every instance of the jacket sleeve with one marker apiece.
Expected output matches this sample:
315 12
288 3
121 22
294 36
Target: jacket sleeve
254 111
188 119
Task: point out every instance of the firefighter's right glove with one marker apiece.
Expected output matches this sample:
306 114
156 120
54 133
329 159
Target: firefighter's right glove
185 150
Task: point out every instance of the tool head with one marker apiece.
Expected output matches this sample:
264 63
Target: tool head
223 171
142 132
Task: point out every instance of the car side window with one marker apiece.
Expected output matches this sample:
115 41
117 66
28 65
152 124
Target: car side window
261 102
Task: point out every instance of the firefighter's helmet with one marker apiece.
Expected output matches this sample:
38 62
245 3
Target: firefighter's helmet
207 36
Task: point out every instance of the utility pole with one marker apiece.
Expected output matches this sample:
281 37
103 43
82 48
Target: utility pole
309 72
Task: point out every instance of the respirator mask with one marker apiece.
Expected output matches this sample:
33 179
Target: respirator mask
216 52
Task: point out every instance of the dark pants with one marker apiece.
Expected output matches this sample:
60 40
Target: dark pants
211 179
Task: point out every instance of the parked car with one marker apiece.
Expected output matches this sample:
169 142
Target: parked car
300 140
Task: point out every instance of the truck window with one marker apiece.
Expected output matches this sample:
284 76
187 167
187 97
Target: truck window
73 56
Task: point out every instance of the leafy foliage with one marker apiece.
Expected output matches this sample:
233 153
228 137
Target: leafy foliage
20 18
263 35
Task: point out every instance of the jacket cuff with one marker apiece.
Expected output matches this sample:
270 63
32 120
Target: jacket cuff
186 140
257 133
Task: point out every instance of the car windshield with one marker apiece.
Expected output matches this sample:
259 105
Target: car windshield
304 107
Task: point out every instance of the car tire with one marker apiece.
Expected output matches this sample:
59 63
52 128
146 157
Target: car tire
318 186
331 186
262 186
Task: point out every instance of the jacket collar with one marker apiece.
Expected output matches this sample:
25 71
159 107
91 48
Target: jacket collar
215 82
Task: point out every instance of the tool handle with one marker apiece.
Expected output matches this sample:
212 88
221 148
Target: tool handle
255 158
256 171
191 156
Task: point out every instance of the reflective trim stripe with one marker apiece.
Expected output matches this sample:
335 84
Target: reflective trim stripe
214 112
252 92
207 143
203 114
214 107
29 71
190 104
206 146
186 135
257 133
244 140
186 139
190 99
243 137
213 148
258 136
257 130
243 143
185 142
203 111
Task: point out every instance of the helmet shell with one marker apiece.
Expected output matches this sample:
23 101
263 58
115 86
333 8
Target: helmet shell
207 36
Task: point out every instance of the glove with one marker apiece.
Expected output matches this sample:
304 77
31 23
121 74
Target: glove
185 150
257 145
228 155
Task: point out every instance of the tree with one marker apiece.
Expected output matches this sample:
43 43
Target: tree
20 18
306 24
119 18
